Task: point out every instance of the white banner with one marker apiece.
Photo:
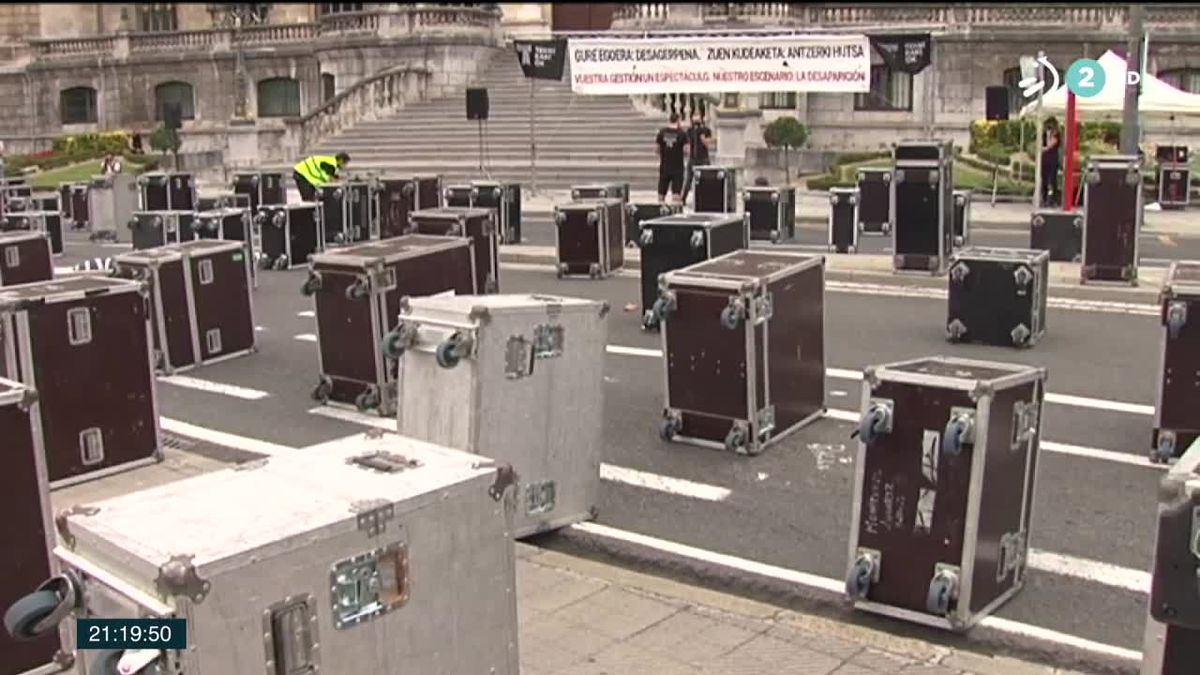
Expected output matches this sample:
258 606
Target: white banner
836 63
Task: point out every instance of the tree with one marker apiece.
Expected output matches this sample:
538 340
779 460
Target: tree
166 140
786 133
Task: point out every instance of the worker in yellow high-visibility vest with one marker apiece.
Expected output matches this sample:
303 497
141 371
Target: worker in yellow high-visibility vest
316 170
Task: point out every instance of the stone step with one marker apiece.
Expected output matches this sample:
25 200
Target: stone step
453 125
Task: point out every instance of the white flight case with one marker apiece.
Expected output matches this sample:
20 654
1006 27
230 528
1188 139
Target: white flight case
375 555
519 378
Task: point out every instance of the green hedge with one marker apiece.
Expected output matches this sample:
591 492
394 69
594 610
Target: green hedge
96 145
857 157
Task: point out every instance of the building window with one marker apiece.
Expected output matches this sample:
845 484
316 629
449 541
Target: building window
244 13
78 105
328 87
174 93
1183 79
279 97
890 90
327 8
157 18
777 100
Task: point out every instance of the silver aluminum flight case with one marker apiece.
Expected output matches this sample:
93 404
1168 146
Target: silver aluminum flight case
371 556
943 488
111 202
519 378
843 220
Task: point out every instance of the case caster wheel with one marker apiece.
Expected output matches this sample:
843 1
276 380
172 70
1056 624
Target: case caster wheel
851 250
649 320
858 581
368 400
1165 450
774 237
735 440
668 428
280 264
356 291
561 271
22 618
877 422
594 271
941 592
311 285
323 390
394 344
730 317
448 353
663 307
955 436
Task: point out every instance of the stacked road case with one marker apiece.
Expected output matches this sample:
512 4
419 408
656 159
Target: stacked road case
673 242
1174 178
638 212
715 189
771 212
843 220
922 206
743 340
25 258
356 293
1176 425
1112 220
201 301
875 201
1172 641
60 337
998 296
505 200
943 488
529 370
151 229
380 555
1058 232
262 188
458 196
476 225
594 191
167 191
29 540
48 223
290 234
589 237
332 199
399 197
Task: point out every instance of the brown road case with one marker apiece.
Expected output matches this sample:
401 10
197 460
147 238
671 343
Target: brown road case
1177 399
166 191
1174 176
593 191
843 220
1112 219
922 206
998 296
1059 232
875 200
261 187
25 258
201 305
151 229
590 237
478 225
399 197
80 215
716 189
458 196
357 292
743 339
49 222
28 540
99 413
289 235
771 212
943 488
1172 640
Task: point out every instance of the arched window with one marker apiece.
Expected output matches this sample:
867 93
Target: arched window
328 87
77 105
279 97
1183 79
175 93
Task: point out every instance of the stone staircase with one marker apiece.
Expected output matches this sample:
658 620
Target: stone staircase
580 139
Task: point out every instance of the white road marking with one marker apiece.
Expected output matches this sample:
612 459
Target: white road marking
305 337
838 393
653 481
355 417
214 387
1077 304
308 314
845 374
259 329
222 438
1094 571
837 587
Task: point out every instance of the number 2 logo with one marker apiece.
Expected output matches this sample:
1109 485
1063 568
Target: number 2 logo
1086 78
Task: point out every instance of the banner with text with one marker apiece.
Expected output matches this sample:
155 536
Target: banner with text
541 59
801 63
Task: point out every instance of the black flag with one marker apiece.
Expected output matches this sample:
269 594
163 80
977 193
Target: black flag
906 53
542 59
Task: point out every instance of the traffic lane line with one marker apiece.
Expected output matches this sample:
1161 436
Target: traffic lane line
837 587
846 374
217 437
211 387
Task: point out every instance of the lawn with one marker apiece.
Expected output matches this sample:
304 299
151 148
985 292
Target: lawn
75 173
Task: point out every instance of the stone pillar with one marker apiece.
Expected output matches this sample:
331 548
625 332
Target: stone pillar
736 132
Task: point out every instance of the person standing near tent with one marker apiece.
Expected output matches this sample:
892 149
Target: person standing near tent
1051 146
314 171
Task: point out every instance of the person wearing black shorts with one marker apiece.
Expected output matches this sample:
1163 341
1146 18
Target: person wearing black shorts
671 145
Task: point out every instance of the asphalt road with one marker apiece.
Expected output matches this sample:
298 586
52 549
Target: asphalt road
790 507
1155 249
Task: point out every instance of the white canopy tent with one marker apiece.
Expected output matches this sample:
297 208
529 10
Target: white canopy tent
1158 98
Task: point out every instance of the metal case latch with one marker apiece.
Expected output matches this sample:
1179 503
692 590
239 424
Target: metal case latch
1022 276
765 421
1176 317
369 585
382 280
384 462
1024 423
547 341
764 307
1012 555
540 497
518 357
959 271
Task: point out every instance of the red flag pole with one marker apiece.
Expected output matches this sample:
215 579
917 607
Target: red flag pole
1072 144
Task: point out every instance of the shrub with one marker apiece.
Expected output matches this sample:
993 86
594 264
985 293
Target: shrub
94 145
786 133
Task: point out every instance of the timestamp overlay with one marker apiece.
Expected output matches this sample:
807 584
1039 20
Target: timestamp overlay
131 634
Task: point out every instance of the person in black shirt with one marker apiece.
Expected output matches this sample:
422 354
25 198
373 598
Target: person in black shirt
699 142
671 144
1051 142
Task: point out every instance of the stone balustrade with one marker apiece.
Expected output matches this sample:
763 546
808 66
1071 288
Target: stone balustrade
1078 19
400 22
379 95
